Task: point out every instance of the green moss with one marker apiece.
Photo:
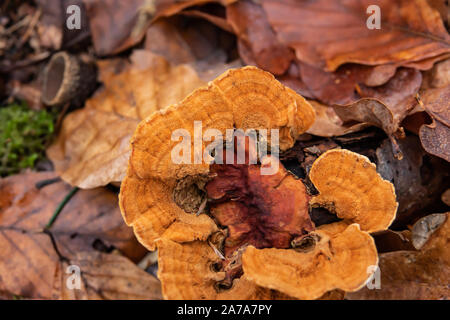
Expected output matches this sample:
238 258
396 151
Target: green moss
23 137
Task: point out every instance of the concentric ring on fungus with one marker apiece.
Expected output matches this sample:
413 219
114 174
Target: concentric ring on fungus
224 231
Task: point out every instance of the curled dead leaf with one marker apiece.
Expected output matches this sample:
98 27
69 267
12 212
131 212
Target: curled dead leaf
258 44
435 139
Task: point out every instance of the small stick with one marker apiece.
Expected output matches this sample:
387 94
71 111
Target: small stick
61 207
202 207
221 256
43 183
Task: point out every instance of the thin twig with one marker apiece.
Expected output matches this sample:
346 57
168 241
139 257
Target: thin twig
202 207
55 247
33 22
61 207
43 183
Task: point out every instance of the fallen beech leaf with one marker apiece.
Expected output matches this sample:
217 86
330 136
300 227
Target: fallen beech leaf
110 67
29 256
167 8
420 274
92 148
438 76
436 102
387 105
435 139
398 94
292 79
426 64
218 21
434 99
407 176
340 87
117 25
442 6
166 39
199 43
328 123
371 111
327 34
258 43
106 277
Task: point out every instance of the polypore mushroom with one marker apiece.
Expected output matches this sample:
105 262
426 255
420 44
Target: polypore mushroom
158 193
187 272
225 230
338 261
350 186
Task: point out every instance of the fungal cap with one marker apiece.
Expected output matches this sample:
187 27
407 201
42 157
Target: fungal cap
350 186
246 98
340 261
186 273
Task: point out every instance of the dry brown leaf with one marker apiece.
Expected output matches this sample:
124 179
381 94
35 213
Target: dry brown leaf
414 189
340 87
258 44
435 100
398 94
117 25
438 76
167 8
421 274
28 258
92 148
196 42
106 277
328 123
218 21
327 34
435 139
387 105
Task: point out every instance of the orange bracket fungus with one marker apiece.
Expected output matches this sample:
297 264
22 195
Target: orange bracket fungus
230 228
